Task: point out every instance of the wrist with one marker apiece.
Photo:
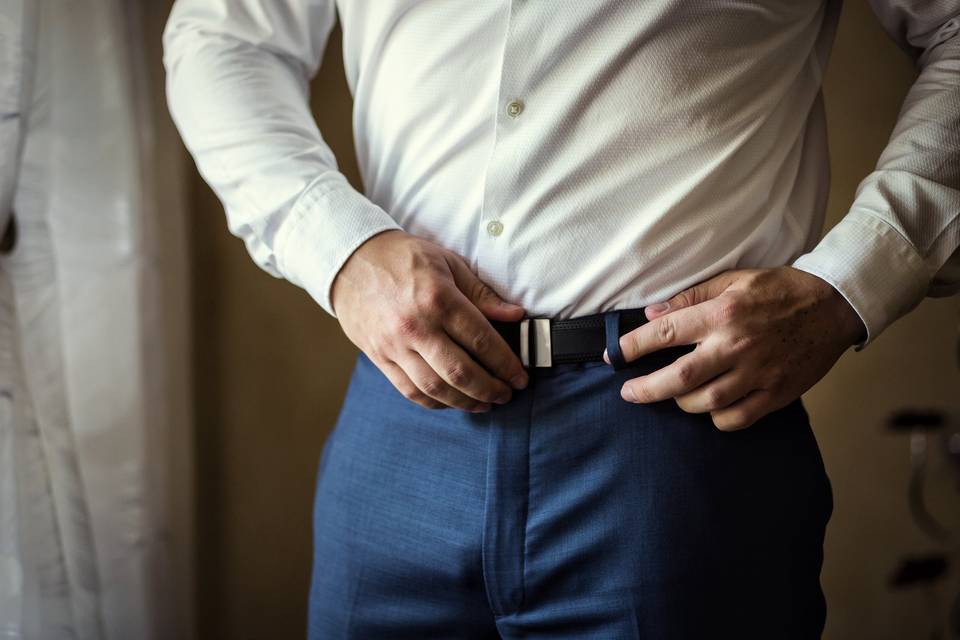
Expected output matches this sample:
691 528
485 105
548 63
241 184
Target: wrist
848 321
361 260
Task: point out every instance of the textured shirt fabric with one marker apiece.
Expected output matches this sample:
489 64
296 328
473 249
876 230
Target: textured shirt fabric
581 155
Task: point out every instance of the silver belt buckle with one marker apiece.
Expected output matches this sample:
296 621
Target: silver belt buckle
541 337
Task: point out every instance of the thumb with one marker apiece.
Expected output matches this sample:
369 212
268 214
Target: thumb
696 294
481 295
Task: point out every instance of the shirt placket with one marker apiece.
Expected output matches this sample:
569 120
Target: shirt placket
499 219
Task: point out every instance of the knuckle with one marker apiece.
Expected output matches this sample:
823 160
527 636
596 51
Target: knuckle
480 291
480 344
640 393
458 376
714 398
431 298
666 330
405 325
741 343
684 298
752 277
432 387
727 308
685 373
473 288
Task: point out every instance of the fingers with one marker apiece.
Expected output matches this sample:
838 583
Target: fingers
419 312
733 401
698 293
405 386
474 333
744 413
469 326
429 382
461 372
681 376
480 294
718 393
683 326
455 372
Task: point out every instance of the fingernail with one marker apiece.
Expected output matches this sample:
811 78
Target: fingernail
504 399
627 394
658 307
481 408
519 381
606 358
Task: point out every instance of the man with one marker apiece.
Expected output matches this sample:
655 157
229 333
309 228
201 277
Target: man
540 178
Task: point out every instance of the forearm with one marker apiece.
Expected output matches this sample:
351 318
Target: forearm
899 241
238 92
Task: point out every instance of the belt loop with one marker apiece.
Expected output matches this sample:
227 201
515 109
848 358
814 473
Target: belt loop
612 324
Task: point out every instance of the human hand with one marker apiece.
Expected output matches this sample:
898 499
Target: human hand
420 314
763 336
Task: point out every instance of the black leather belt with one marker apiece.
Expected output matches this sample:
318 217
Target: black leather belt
544 342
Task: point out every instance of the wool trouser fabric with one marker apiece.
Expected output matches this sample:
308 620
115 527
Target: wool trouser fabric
565 513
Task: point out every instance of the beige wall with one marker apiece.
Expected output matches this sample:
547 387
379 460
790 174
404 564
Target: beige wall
913 363
270 371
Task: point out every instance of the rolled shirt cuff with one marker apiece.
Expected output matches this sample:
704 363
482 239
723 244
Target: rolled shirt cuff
326 225
876 269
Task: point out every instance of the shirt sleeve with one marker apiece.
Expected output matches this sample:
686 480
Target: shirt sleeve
237 86
899 242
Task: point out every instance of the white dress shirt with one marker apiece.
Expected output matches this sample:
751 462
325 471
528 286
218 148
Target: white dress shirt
581 155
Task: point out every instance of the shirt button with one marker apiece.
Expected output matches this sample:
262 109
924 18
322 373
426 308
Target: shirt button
494 227
514 108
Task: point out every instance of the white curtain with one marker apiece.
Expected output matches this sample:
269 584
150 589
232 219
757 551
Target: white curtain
85 380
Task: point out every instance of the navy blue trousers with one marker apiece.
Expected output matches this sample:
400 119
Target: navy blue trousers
566 513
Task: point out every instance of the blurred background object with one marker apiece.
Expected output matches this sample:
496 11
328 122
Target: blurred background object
196 414
934 459
95 506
